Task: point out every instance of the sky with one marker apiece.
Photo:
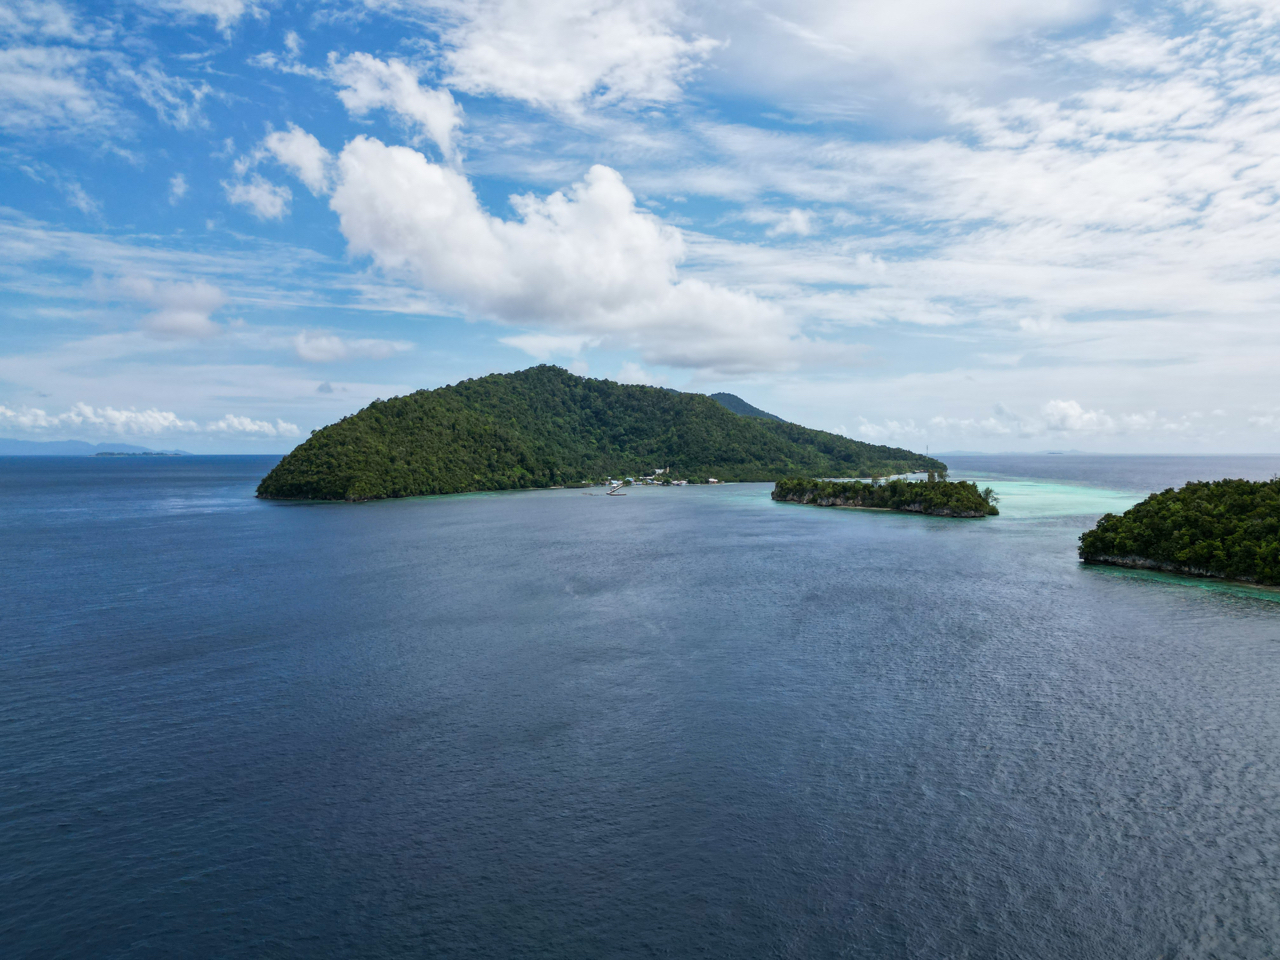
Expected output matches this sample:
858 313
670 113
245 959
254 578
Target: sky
1014 225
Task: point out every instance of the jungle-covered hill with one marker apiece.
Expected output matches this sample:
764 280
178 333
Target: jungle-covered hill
939 498
545 427
1223 528
742 408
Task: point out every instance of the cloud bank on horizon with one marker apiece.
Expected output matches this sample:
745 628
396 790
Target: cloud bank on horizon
1012 225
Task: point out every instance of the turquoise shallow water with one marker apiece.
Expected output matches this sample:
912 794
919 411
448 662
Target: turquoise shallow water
1041 499
688 722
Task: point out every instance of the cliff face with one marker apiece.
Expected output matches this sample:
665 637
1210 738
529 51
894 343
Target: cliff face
1142 563
941 511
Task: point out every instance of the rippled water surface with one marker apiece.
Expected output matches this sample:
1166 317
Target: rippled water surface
684 722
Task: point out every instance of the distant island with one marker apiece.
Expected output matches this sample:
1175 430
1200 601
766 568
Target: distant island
140 453
546 427
1222 528
71 448
935 497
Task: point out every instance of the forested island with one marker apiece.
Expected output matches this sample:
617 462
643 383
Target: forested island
936 497
1222 528
546 427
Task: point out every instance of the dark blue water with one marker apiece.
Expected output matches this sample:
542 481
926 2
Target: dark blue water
684 723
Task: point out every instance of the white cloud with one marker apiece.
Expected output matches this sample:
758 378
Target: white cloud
782 222
564 54
585 262
225 13
325 348
853 58
177 188
1067 416
1127 214
634 373
890 431
368 83
49 89
290 62
43 20
176 101
935 36
236 424
302 154
268 201
1059 418
142 422
182 310
297 151
78 198
104 418
544 346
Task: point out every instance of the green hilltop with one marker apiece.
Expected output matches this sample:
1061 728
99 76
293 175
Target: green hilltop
545 427
936 497
1223 528
742 408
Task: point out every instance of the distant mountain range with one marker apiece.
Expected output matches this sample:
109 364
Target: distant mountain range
69 448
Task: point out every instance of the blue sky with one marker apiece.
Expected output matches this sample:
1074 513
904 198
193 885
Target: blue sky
1015 225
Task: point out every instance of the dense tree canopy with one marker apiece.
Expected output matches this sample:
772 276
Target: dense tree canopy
940 498
1224 528
741 407
546 427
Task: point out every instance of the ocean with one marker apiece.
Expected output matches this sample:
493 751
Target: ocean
687 722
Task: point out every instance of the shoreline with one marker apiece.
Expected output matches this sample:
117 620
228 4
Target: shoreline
946 512
1162 566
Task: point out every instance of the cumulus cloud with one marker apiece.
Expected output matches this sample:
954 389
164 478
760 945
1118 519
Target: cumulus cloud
325 348
302 154
150 421
565 54
232 423
585 262
297 151
182 310
1059 418
84 417
368 83
177 188
1067 416
267 200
